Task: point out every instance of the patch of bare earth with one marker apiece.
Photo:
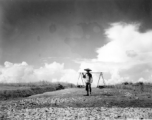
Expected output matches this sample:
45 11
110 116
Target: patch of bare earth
73 104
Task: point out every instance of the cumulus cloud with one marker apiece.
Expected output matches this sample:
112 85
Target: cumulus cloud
22 72
127 56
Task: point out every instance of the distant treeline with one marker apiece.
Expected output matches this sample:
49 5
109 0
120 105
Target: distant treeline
19 90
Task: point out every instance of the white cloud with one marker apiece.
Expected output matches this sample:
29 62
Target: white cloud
127 50
16 72
127 57
125 38
22 72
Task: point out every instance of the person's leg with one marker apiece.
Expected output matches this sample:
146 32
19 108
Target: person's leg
87 88
90 88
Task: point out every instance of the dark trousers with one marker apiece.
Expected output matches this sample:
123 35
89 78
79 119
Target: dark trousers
88 86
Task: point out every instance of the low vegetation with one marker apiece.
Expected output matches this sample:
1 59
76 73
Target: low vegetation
19 90
137 87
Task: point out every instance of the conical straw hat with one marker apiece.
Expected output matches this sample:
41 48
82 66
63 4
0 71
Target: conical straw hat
87 69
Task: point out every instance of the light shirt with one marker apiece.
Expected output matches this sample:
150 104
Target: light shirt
88 78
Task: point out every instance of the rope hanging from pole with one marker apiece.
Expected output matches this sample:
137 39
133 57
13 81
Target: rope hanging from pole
98 86
82 80
78 78
80 86
98 80
103 80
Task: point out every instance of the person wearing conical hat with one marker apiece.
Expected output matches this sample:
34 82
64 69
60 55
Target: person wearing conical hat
89 79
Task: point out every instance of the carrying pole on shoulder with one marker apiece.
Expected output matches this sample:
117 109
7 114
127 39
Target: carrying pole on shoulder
100 75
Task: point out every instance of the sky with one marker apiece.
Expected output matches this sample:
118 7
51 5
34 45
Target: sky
53 40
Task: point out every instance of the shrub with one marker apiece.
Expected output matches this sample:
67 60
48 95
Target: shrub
59 87
125 83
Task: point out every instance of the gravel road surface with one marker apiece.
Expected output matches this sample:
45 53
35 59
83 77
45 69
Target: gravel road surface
64 105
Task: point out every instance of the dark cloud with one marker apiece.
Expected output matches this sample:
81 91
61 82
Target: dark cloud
38 38
52 28
109 11
136 11
28 12
91 28
25 14
18 10
71 42
105 10
25 20
92 37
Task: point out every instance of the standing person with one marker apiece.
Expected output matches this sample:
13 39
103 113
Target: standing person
89 80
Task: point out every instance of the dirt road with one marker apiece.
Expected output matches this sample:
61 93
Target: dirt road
73 104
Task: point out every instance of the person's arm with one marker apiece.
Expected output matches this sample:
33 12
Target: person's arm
83 75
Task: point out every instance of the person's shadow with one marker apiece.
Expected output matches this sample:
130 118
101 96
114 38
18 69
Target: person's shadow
86 95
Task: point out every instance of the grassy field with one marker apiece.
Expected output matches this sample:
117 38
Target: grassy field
136 87
18 90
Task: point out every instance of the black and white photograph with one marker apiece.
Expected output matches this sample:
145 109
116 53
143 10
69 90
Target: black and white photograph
75 59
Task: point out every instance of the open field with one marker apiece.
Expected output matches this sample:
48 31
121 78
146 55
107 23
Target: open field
107 103
18 90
